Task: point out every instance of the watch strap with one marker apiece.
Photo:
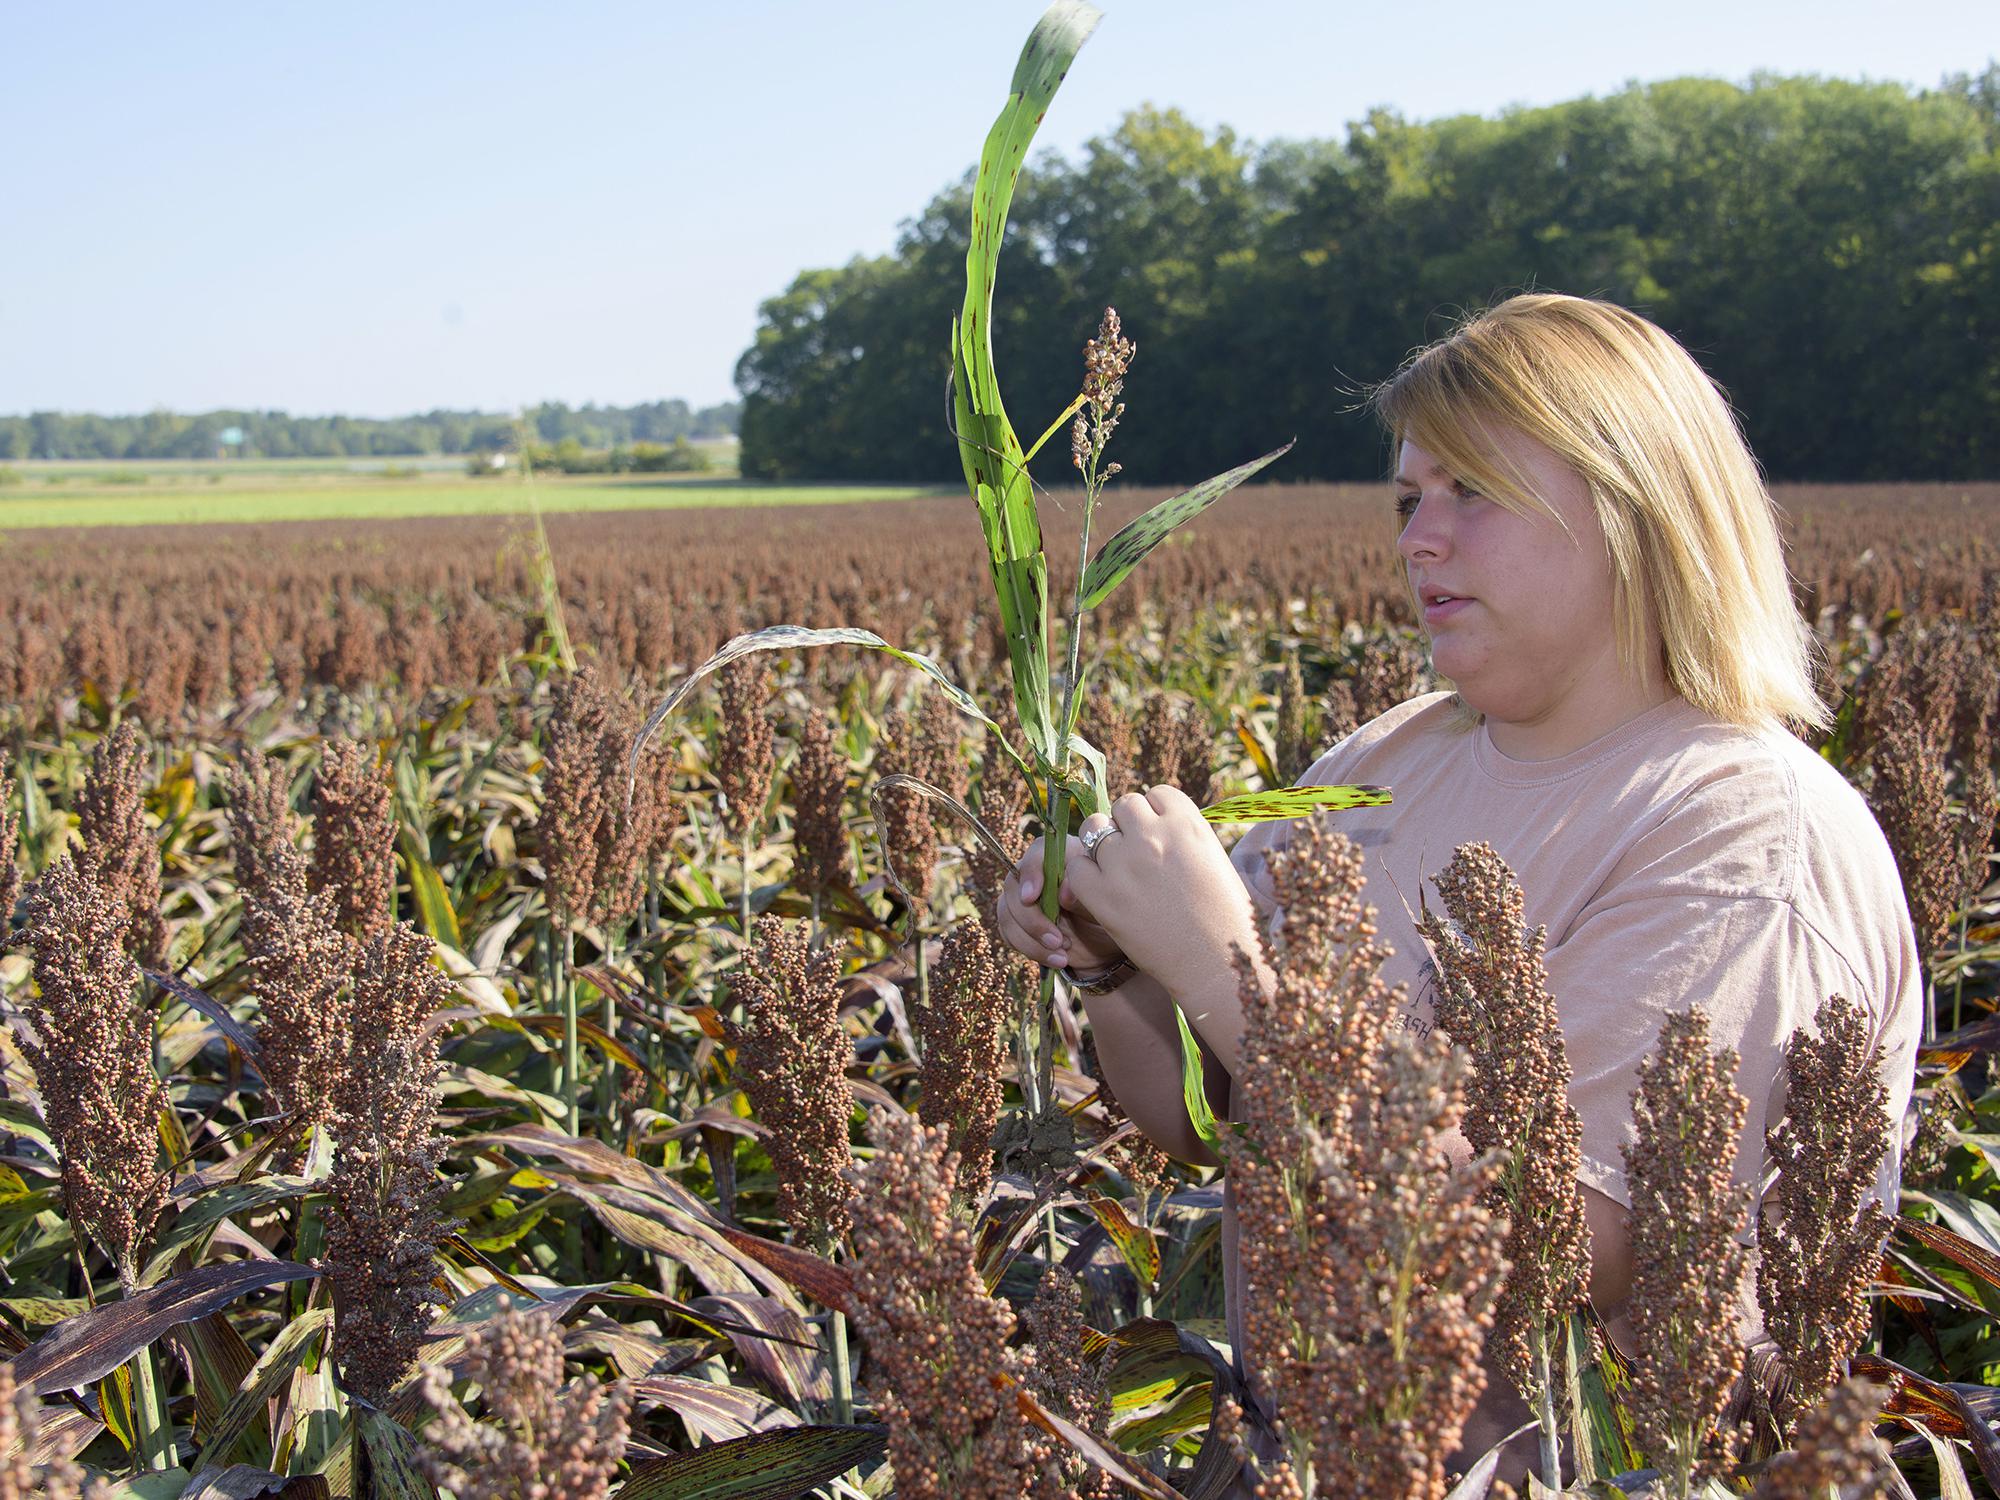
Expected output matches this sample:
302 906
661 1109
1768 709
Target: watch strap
1103 981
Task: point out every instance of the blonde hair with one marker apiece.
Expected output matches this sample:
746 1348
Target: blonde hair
1691 529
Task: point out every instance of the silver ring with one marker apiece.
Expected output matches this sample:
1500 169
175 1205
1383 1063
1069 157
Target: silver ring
1096 836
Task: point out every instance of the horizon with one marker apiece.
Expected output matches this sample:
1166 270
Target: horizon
492 212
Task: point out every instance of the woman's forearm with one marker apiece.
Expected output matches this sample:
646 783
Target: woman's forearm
1209 991
1139 1048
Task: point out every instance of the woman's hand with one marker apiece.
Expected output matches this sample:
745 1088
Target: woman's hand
1075 939
1163 889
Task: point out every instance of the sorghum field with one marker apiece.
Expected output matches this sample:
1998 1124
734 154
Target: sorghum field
393 1108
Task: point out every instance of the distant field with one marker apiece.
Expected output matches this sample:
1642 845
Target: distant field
177 494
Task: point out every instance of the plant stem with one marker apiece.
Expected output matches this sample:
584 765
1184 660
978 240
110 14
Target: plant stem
1545 1408
743 898
1958 980
843 1377
607 1021
152 1426
572 1057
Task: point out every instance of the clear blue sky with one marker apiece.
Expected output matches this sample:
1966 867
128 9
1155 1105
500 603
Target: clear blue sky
377 208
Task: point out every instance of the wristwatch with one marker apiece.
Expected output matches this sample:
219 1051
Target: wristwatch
1103 981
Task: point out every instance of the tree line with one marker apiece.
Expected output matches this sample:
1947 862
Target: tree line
1829 250
276 434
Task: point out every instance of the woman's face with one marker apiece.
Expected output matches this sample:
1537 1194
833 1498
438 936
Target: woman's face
1519 611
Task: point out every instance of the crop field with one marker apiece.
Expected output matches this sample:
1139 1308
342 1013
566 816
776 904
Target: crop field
370 1008
44 496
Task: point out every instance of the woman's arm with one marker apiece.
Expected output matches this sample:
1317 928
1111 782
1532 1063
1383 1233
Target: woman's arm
1139 1048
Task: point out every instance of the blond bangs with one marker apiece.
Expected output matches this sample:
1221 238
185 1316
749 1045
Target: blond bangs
1691 530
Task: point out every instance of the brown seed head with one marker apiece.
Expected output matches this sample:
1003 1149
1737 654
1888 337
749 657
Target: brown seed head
573 794
1069 1382
791 1060
1354 1221
538 1439
1003 804
20 1477
386 1218
119 851
744 760
959 1033
10 841
819 799
300 960
1835 1451
1494 1002
937 1340
1687 1263
93 1059
1820 1242
1908 796
910 839
354 837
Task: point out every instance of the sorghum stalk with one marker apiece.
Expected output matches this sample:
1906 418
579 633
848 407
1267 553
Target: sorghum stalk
792 1057
958 1026
1494 1002
1819 1233
120 852
1363 1248
1687 1264
92 1052
387 1204
354 837
936 1339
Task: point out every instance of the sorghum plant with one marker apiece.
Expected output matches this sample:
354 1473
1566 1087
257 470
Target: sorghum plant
1069 1382
910 841
10 870
1174 748
1907 794
1296 735
354 837
92 1053
938 1340
1834 1451
746 755
20 1478
1065 772
1113 734
631 835
1820 1238
1687 1263
1370 1262
573 795
119 851
791 1060
958 1027
300 960
1494 1001
820 859
386 1217
540 1439
1003 803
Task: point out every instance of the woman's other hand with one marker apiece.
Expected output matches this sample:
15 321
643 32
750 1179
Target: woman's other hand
1076 940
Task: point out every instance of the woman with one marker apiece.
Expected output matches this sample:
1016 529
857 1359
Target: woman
1598 567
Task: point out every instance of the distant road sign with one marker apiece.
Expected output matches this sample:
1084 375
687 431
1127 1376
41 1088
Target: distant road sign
230 437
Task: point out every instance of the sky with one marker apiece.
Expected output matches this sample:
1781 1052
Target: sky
379 209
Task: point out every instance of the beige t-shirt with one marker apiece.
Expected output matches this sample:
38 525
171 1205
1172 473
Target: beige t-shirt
1678 860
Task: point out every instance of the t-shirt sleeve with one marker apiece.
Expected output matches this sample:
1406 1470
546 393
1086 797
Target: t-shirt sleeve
1758 970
